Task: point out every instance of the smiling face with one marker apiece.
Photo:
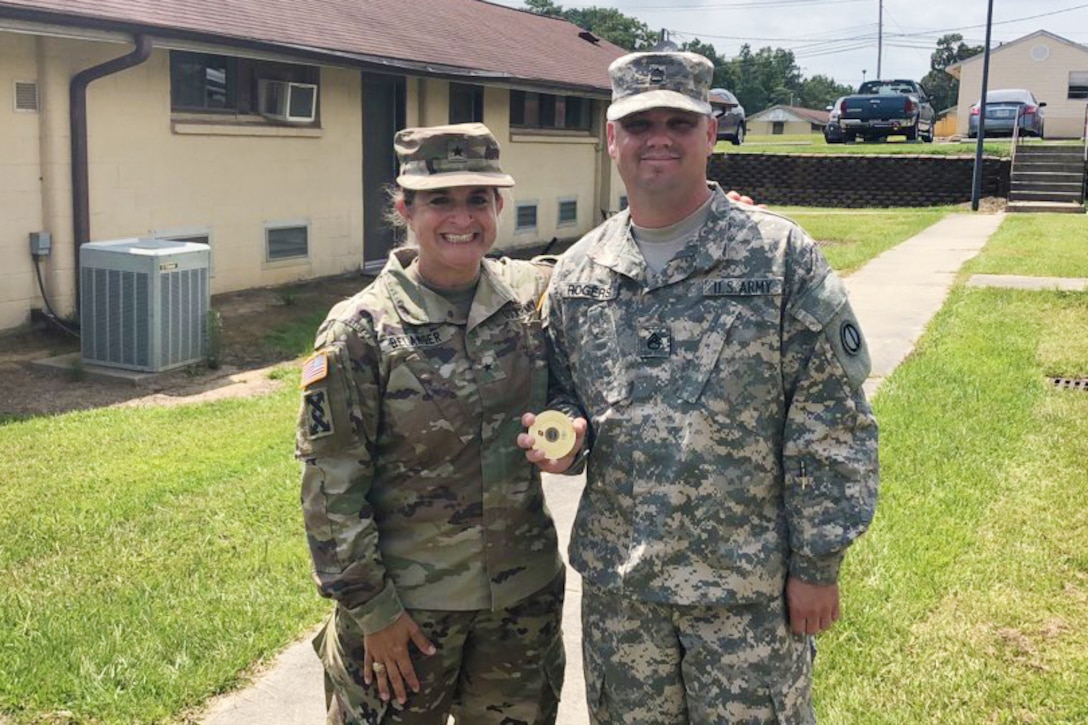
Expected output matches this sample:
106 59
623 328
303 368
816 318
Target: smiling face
661 155
454 228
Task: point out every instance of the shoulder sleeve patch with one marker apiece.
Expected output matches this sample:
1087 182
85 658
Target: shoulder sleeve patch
315 369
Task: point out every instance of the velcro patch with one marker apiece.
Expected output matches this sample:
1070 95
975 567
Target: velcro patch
587 291
654 342
729 286
315 369
318 414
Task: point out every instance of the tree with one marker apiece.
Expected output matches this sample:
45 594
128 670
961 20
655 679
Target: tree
723 72
758 79
820 91
608 23
944 90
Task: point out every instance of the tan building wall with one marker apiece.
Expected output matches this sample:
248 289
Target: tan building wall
20 189
1039 63
155 173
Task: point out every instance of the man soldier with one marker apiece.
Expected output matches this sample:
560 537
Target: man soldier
733 453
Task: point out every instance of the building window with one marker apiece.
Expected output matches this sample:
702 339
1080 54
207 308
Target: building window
568 212
1078 84
198 235
778 127
543 110
287 241
526 216
466 103
206 83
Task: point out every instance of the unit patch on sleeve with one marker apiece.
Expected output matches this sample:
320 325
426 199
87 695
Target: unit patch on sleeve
318 414
315 369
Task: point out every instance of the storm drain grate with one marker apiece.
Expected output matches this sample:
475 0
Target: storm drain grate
1070 383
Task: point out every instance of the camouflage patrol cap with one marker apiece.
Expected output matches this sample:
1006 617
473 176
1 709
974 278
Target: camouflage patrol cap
641 81
438 157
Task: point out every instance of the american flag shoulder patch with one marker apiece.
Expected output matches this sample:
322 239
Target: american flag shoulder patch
315 368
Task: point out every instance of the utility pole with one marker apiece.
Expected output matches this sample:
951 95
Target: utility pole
879 39
976 182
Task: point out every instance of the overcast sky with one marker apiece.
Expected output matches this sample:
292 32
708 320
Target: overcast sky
838 38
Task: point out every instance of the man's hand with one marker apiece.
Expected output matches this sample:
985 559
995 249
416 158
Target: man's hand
549 465
389 648
736 196
813 608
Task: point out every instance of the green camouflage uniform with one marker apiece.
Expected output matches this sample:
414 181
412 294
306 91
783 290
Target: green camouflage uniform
731 444
416 497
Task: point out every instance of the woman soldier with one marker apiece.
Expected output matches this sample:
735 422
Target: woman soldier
426 524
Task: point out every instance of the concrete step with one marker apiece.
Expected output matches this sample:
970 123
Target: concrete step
1049 177
1040 185
1034 166
1031 207
1031 195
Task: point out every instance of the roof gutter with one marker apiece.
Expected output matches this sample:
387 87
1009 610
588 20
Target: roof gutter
77 93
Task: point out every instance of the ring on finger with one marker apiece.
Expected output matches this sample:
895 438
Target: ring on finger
378 667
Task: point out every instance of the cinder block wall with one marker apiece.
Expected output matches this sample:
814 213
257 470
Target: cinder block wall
857 181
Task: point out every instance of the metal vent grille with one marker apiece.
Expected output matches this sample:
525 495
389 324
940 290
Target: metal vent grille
1070 383
184 315
144 303
116 306
26 96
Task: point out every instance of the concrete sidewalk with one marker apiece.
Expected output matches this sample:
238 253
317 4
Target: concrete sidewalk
895 296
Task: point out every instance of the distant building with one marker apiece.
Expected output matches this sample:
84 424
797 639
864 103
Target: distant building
1054 69
780 120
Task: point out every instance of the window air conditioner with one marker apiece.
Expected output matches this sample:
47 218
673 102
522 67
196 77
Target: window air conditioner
290 102
144 303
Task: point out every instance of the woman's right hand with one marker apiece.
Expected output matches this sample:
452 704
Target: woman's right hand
388 648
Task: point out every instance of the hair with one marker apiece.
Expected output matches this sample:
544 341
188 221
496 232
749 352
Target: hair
402 234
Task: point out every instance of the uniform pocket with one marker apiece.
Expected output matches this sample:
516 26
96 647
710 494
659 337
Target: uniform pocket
601 356
792 698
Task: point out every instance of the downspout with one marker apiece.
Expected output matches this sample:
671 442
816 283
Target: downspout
77 91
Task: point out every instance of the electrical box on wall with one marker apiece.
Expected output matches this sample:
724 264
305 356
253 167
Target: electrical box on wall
41 243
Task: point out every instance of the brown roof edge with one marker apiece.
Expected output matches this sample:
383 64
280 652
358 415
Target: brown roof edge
376 64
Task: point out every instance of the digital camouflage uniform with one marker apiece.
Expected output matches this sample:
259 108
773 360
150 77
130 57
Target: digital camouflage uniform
731 444
416 497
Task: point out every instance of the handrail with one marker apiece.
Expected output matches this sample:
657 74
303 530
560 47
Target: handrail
1015 136
1084 187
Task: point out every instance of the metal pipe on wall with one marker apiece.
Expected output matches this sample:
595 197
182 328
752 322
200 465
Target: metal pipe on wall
77 91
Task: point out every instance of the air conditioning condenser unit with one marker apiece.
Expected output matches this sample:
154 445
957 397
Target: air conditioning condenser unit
144 303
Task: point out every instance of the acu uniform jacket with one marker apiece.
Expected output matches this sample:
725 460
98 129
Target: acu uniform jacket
414 492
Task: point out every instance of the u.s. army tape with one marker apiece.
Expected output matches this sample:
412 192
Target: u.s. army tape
554 434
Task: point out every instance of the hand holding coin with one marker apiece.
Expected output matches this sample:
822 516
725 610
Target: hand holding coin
554 434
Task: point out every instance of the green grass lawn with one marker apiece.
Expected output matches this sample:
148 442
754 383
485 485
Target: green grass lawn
815 144
151 556
850 238
967 602
1037 245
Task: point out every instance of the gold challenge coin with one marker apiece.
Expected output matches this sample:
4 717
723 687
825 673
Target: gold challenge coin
554 434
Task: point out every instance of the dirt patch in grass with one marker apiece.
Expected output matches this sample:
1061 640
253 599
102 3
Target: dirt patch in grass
249 319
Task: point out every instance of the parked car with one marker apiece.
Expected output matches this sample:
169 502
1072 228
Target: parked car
732 124
1003 107
887 108
833 129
